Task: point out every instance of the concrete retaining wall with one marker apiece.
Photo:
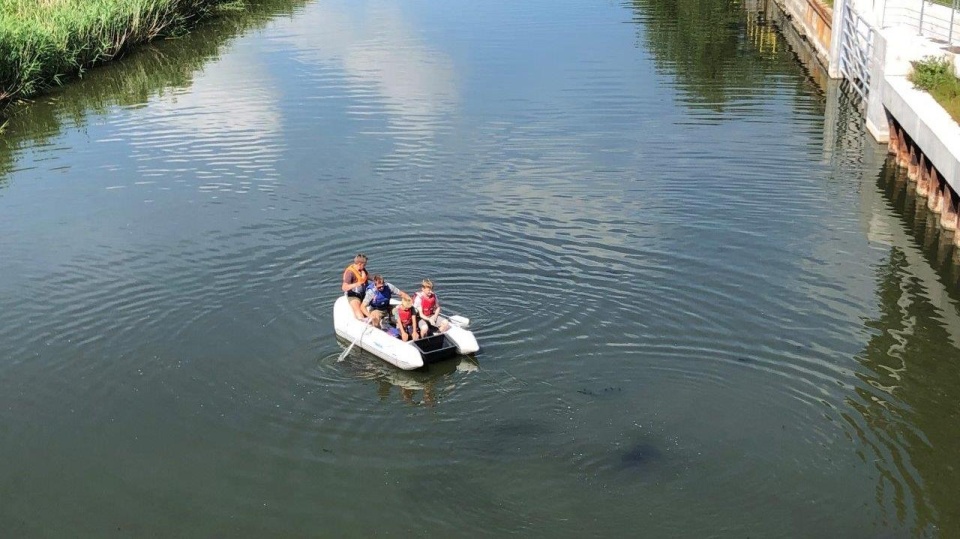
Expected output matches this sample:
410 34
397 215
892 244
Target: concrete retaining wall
814 21
922 136
928 127
798 42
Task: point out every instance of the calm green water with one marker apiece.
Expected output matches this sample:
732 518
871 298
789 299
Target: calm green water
706 306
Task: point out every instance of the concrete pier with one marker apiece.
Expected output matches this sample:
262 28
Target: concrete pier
886 35
926 141
922 136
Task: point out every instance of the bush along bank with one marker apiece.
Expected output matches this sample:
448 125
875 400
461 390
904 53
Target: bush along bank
46 42
936 77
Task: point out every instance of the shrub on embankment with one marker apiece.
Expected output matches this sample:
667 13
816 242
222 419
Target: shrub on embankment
44 42
936 77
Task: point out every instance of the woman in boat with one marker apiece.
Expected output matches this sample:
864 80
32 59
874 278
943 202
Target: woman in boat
376 301
354 284
406 317
428 305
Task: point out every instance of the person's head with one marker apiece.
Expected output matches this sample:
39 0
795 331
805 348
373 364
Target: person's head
360 261
378 281
406 303
427 287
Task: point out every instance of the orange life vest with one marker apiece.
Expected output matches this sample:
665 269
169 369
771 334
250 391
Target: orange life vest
361 276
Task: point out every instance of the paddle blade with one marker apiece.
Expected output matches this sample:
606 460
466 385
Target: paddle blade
461 321
343 354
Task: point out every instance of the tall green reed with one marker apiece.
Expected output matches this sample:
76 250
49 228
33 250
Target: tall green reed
44 42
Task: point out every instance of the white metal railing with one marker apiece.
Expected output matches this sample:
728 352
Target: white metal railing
934 20
856 49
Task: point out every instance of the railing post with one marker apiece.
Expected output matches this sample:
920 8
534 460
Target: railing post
950 35
836 38
923 5
876 114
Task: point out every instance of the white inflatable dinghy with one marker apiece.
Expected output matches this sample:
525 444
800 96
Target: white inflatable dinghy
407 355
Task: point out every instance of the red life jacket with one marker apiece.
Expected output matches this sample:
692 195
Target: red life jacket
406 316
428 305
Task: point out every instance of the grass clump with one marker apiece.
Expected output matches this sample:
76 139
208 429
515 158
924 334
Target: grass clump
44 42
936 76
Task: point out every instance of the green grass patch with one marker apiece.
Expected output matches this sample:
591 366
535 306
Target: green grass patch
44 42
936 77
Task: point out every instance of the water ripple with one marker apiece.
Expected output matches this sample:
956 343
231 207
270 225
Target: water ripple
673 273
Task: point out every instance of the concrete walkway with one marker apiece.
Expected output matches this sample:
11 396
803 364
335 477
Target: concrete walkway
931 128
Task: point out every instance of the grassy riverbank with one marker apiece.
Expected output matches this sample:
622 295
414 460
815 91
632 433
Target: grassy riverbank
45 42
936 76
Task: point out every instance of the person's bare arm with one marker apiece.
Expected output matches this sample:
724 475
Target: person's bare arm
365 305
403 330
346 286
401 293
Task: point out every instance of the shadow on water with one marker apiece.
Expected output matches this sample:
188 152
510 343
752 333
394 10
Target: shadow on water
922 225
148 71
422 387
908 417
636 462
600 461
640 456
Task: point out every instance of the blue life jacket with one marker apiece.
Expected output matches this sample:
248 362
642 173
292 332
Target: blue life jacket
381 298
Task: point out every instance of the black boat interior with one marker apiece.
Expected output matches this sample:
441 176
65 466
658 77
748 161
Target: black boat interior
436 348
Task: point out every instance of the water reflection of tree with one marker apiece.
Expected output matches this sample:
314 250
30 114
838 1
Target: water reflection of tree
704 43
149 71
909 416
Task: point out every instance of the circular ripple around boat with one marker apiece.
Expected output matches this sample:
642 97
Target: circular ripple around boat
685 294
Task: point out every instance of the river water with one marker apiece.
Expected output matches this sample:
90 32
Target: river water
706 306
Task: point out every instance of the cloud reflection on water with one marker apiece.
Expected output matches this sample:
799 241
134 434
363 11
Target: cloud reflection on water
381 54
223 133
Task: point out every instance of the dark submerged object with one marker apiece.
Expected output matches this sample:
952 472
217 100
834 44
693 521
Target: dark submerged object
639 455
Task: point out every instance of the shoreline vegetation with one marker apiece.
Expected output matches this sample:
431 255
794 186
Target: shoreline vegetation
936 77
44 43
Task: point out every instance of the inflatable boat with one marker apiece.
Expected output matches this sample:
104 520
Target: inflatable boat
407 355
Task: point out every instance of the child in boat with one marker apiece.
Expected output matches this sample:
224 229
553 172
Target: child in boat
406 317
428 305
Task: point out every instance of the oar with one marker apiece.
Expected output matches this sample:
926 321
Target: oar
343 355
457 320
460 321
